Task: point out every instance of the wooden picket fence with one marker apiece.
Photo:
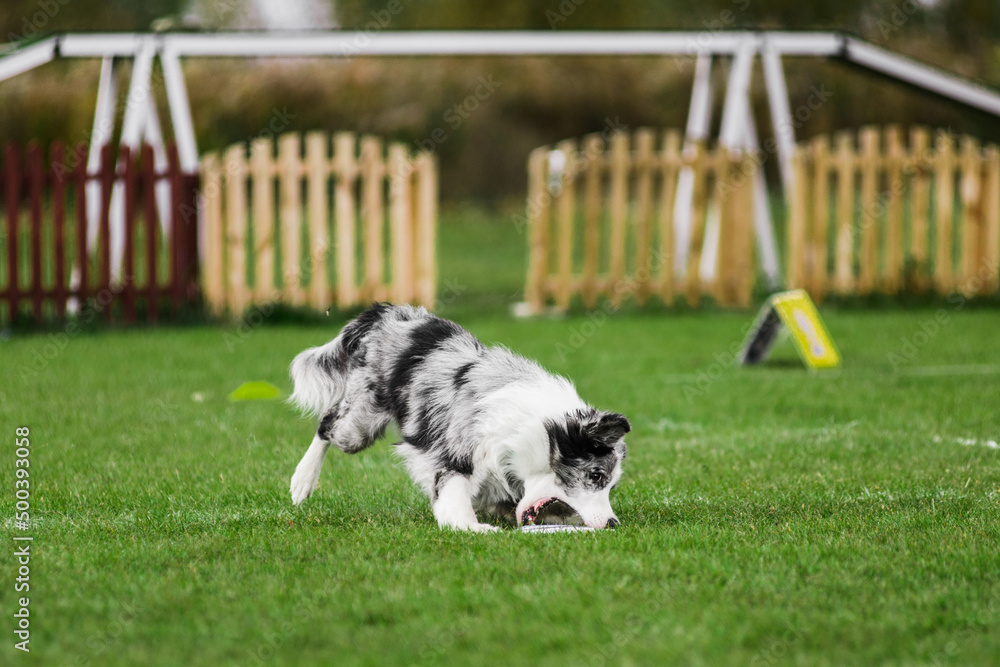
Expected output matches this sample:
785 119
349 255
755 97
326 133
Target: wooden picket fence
884 216
601 222
268 223
46 268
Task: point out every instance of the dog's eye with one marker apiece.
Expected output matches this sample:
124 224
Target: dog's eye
596 476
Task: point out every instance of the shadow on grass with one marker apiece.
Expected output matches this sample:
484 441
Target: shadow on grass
778 364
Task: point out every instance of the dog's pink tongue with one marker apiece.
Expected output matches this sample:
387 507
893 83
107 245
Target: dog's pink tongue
530 516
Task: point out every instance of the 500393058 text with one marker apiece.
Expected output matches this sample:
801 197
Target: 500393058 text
22 542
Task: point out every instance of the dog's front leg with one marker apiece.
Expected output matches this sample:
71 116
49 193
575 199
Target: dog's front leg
452 503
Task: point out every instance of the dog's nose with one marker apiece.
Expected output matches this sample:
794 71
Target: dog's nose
612 523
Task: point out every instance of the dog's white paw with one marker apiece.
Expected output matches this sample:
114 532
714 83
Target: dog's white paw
470 527
484 528
304 482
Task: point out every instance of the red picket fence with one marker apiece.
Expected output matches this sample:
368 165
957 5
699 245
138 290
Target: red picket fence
43 241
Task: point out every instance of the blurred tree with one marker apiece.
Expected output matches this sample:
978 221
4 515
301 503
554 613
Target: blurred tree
608 14
21 19
970 25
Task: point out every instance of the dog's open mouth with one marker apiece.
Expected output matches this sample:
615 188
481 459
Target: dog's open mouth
551 512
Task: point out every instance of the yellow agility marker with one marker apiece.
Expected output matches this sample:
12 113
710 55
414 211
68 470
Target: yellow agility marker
794 310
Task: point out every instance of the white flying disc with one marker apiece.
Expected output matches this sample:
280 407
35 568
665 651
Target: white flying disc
554 528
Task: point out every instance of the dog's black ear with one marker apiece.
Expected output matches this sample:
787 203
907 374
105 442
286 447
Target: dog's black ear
608 428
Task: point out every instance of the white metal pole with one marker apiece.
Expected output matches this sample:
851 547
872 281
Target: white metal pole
133 124
346 43
919 74
183 124
762 219
153 135
28 58
698 121
139 90
732 137
104 128
781 114
180 109
737 96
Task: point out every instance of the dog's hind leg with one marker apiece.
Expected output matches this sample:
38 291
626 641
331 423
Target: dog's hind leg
357 429
306 475
452 503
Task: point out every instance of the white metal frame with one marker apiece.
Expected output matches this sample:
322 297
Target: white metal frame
140 122
698 123
173 46
104 119
738 129
736 115
781 112
738 133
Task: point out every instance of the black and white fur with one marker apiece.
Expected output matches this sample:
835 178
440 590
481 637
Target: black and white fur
483 429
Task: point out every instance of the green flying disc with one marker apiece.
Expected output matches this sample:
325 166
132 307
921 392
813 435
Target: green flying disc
255 391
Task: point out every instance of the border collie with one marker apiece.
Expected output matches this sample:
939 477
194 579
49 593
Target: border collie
484 430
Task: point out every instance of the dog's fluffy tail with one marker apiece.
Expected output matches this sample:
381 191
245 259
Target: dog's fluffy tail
319 386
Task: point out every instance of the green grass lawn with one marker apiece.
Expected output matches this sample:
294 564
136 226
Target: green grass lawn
769 516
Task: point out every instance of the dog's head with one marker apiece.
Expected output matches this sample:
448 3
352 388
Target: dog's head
585 456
